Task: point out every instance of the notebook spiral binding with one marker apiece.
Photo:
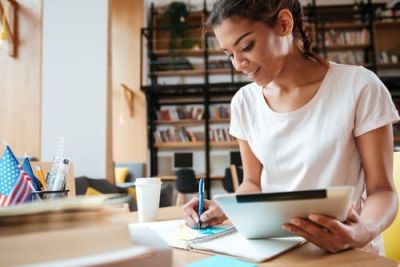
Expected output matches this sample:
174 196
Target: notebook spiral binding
208 238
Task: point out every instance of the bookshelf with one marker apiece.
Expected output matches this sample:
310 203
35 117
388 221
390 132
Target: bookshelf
199 75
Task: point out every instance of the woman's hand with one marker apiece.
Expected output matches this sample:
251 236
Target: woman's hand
331 234
211 216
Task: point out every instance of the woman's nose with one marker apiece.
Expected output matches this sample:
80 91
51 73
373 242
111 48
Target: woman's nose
240 63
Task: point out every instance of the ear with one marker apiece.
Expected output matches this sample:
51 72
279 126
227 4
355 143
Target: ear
284 23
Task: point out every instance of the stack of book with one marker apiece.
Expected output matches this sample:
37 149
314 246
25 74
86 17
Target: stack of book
81 231
180 113
172 134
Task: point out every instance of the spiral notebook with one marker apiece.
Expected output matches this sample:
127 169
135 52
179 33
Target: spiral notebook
221 240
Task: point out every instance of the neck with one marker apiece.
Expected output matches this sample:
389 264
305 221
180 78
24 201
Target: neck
297 71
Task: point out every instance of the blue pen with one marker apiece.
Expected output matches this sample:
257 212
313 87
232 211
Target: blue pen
201 200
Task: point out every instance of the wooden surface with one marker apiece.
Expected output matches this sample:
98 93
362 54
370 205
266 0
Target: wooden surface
306 255
129 133
20 83
384 37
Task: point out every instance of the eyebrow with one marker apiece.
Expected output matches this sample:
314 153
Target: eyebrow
239 39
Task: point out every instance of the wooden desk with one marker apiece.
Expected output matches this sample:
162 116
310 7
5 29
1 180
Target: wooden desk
306 255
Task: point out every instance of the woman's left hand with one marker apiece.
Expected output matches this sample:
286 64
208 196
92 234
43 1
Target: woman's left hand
331 234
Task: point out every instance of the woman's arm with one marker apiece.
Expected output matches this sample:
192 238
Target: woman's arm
251 170
213 215
380 207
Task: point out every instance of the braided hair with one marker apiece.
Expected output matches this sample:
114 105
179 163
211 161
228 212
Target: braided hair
266 11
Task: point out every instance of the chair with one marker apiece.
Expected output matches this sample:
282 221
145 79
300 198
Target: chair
127 172
391 235
89 187
232 179
135 169
185 183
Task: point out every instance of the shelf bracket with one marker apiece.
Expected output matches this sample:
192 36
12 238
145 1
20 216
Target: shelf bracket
129 97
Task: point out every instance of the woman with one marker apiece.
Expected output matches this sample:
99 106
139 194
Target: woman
305 123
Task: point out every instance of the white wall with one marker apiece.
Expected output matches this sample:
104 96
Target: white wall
74 83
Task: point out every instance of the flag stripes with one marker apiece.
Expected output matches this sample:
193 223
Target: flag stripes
15 185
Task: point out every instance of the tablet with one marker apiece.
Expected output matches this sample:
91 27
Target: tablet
262 215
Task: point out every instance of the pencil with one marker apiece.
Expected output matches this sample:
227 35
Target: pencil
41 176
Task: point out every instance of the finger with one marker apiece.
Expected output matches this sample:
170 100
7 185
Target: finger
190 222
207 204
320 242
329 223
215 221
310 227
190 209
353 216
297 231
191 204
352 213
209 214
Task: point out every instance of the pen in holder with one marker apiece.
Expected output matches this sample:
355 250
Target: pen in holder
48 194
57 179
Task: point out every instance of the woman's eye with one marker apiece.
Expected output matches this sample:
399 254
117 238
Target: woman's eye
229 56
247 47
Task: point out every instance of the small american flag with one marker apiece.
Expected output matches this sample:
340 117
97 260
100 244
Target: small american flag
15 185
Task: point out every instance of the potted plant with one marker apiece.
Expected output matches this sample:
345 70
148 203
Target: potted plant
176 17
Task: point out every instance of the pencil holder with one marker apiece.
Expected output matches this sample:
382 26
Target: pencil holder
49 194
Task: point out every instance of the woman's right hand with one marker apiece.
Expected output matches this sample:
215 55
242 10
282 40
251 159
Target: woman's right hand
212 214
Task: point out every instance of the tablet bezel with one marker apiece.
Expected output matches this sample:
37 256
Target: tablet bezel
275 209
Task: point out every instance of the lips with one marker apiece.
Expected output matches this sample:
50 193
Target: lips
253 74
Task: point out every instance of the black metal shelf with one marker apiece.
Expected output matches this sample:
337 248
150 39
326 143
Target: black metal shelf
158 94
321 18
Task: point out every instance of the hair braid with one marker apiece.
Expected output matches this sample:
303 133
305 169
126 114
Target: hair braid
306 40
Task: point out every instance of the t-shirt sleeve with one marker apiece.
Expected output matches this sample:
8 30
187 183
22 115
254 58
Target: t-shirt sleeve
374 105
236 124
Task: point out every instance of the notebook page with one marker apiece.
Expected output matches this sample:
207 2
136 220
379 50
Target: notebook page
257 250
176 234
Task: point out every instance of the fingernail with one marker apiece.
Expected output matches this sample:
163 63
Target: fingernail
313 217
295 221
203 218
196 220
285 227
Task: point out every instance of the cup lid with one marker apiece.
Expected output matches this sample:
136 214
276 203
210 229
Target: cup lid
148 181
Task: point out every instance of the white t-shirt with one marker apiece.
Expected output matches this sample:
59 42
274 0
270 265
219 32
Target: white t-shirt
314 146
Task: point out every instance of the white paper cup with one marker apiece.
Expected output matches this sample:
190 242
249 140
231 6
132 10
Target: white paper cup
148 192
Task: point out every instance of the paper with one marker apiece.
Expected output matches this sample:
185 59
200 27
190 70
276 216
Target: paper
256 250
176 234
217 240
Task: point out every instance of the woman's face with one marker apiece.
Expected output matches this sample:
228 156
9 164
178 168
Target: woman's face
253 47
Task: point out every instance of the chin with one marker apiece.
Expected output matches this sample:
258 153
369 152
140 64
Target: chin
262 82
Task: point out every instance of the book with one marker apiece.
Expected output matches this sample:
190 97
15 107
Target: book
62 213
223 239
